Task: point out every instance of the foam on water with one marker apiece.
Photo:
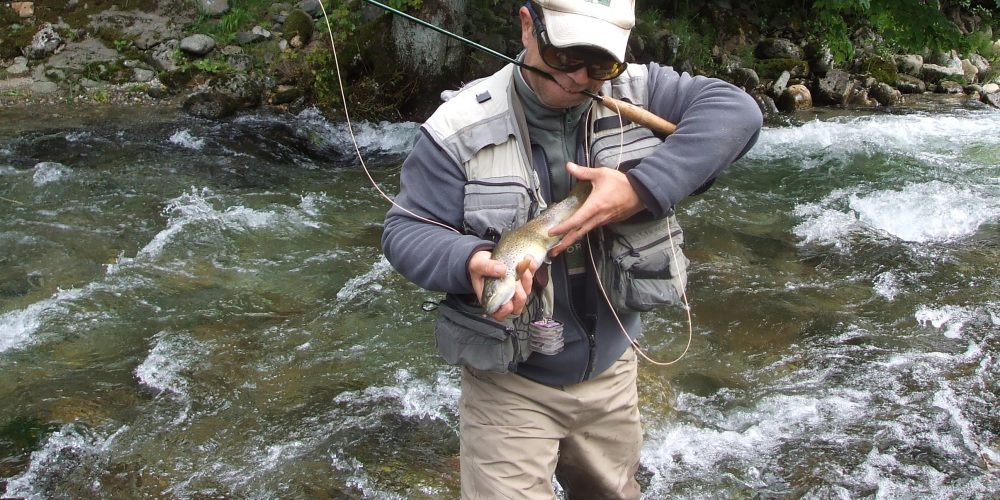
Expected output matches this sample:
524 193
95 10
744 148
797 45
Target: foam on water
18 328
910 409
170 356
816 142
197 208
48 172
184 138
926 212
368 282
385 137
72 450
919 213
411 397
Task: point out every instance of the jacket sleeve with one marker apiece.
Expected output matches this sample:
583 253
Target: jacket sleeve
432 186
717 123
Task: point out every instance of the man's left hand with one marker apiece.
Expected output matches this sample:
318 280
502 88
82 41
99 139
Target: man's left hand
612 199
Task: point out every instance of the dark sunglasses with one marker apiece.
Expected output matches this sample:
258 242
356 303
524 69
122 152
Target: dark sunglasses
599 65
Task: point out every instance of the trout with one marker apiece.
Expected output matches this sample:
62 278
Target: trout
530 240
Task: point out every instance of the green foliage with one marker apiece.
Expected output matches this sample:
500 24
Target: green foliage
211 65
902 24
404 4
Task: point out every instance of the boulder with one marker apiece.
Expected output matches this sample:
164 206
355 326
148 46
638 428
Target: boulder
778 48
45 43
198 44
225 96
299 25
909 64
820 59
835 88
885 94
779 85
745 78
162 56
949 87
933 73
910 85
19 68
214 8
310 7
795 98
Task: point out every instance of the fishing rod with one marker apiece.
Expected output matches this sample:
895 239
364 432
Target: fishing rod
624 109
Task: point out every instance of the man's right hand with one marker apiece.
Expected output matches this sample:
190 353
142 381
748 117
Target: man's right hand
482 266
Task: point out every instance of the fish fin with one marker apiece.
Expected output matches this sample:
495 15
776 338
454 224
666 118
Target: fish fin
522 266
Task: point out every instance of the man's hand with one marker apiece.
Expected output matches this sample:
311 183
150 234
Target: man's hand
612 199
481 266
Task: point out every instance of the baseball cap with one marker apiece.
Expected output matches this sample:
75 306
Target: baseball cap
604 24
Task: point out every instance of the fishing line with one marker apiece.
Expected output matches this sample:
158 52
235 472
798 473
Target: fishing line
354 139
606 102
597 274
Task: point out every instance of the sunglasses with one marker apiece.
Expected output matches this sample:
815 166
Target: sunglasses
569 59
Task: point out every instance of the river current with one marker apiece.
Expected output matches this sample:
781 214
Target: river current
200 309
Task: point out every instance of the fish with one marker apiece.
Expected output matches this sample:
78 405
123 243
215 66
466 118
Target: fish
530 240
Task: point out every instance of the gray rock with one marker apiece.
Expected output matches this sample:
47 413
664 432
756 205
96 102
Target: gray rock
835 88
225 96
885 94
43 88
982 65
213 8
248 37
311 7
779 85
949 87
778 48
87 83
162 56
745 78
909 64
948 59
19 68
44 43
143 75
934 73
910 84
820 59
991 88
55 74
992 99
198 44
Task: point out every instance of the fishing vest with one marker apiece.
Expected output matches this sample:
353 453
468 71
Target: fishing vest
482 129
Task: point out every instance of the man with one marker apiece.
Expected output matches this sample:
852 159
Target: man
487 160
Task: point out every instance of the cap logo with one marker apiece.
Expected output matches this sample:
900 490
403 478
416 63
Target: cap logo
606 3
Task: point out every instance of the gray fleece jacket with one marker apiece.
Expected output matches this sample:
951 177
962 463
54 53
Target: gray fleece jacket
716 124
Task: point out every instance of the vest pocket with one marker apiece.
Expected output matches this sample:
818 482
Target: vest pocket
645 267
496 204
464 337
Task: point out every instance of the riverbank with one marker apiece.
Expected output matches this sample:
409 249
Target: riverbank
214 60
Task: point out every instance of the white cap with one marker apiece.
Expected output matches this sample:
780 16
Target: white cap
604 24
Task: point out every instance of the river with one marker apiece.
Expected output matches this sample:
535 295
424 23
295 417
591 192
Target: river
200 309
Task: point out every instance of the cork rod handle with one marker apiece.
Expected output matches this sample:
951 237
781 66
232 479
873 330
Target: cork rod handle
638 115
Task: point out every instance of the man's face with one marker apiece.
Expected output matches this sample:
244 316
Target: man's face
565 91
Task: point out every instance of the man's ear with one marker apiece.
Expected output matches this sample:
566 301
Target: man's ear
527 31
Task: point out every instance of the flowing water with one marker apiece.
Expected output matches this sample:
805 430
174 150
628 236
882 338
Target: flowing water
200 309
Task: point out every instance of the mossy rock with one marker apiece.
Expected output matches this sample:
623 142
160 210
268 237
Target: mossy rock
298 23
881 70
771 69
